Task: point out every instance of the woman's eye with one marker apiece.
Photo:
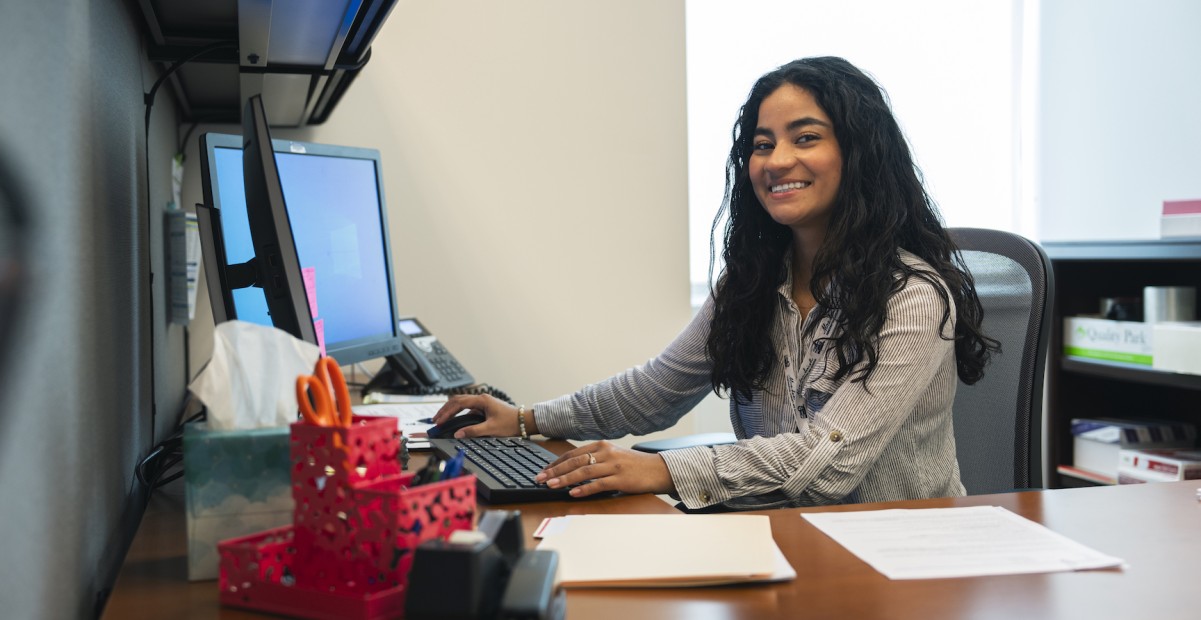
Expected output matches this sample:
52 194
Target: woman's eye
802 139
762 146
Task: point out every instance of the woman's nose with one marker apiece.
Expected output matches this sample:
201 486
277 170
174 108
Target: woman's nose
782 158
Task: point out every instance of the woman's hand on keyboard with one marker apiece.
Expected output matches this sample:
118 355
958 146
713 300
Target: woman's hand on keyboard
500 417
608 467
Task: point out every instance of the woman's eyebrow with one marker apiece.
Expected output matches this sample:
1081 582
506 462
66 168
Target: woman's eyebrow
805 122
793 126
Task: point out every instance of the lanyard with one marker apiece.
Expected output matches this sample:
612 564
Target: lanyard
793 386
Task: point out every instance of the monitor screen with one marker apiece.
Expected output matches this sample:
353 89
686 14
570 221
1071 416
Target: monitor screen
336 208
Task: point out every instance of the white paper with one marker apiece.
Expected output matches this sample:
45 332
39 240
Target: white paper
374 398
970 541
411 417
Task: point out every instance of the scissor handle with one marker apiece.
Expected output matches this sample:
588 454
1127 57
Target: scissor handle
331 374
308 385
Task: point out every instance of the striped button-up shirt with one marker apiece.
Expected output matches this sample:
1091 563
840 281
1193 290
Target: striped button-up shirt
827 442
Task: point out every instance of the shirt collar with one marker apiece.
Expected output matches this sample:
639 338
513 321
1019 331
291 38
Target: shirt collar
785 288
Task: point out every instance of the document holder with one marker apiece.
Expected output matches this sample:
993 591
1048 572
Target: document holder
355 525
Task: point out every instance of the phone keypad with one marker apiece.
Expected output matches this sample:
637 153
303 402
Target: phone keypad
445 364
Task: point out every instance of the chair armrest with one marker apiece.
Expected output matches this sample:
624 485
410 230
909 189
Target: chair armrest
687 441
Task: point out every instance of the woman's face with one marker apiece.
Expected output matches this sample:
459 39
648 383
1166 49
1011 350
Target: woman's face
795 163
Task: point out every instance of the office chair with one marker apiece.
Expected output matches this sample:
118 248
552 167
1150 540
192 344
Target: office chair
999 420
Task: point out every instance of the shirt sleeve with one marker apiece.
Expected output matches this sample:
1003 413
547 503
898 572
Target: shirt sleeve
641 400
845 438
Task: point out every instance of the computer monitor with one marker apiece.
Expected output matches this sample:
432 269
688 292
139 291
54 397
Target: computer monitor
335 204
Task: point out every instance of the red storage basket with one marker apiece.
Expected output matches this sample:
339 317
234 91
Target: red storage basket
356 524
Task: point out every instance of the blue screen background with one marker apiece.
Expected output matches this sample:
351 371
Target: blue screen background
334 209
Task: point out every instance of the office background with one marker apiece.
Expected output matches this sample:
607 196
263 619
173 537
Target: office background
536 164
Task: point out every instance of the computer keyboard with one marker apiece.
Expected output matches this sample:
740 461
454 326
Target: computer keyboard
504 467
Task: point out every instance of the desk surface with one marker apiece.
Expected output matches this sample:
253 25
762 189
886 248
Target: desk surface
1156 528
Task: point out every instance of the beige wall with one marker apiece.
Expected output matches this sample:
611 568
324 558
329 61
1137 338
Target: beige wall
535 156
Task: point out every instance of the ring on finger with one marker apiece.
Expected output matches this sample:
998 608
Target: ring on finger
591 459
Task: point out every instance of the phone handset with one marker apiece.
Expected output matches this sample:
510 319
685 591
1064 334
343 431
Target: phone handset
414 365
423 364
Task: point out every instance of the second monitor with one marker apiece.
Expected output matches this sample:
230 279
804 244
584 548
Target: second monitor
336 208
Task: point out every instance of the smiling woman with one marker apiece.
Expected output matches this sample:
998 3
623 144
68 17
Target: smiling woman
839 326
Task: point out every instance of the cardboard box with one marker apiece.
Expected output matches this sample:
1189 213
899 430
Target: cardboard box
1097 443
1175 464
1180 218
1108 341
1178 347
236 483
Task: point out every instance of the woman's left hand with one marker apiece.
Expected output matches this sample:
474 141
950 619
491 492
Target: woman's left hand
609 468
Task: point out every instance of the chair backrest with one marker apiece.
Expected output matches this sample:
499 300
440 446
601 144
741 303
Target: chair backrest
999 420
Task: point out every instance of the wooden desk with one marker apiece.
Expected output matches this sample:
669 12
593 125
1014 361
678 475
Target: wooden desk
1156 528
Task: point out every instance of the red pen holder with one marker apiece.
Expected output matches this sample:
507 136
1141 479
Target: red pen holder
356 524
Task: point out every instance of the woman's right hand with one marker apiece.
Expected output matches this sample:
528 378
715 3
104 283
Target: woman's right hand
500 417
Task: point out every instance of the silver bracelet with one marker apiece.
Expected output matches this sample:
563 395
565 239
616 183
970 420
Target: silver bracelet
521 421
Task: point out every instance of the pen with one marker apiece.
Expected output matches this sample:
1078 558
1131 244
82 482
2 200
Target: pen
454 467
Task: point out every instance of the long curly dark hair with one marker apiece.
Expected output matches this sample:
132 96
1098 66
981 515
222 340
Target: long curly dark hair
881 206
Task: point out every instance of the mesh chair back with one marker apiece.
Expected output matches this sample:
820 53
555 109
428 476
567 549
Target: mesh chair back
998 421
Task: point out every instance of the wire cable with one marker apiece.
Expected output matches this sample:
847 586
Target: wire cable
148 100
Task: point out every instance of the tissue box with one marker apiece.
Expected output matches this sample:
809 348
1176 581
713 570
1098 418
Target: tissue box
236 483
1112 341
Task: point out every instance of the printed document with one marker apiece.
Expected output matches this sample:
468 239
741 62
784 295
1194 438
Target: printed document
971 541
412 417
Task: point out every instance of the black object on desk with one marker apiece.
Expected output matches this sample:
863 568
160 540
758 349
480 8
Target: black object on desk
492 577
504 467
446 430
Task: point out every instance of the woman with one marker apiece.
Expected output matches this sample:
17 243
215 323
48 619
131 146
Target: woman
838 326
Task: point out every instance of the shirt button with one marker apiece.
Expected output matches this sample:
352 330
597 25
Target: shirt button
836 436
705 496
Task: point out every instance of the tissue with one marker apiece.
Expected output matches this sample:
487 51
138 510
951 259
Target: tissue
251 380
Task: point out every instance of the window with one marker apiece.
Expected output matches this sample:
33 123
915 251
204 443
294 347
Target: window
957 73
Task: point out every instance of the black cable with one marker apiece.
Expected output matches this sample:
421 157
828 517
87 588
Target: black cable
148 100
479 388
164 463
149 97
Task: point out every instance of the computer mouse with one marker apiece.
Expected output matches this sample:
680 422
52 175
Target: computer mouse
447 429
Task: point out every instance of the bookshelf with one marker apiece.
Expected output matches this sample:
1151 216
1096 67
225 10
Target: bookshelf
1086 271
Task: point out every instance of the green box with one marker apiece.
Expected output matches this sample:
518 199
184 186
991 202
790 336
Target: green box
236 483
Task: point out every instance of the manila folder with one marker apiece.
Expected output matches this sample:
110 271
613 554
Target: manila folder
663 550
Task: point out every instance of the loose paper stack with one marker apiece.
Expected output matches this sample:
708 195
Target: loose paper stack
411 412
971 541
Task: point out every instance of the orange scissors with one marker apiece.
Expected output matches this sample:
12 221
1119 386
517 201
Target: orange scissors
327 388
